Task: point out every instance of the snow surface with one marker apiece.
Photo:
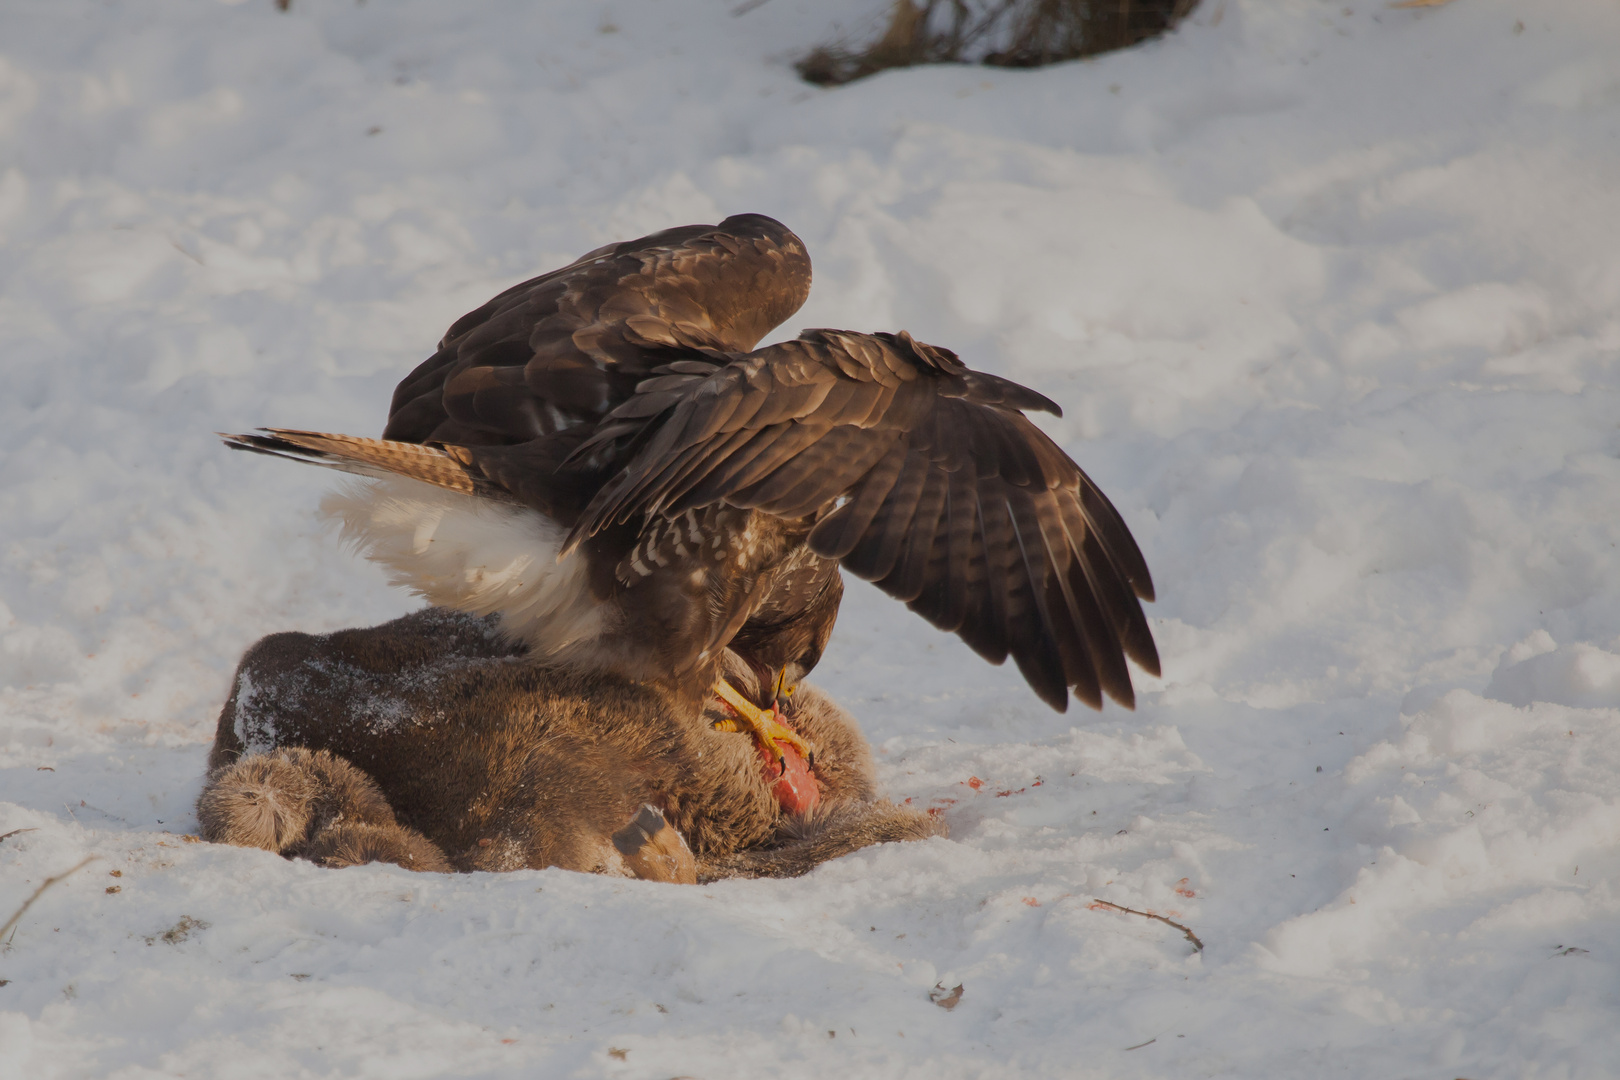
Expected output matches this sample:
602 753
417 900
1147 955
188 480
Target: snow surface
1331 295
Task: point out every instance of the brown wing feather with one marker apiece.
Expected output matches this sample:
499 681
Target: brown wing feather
874 555
906 581
566 347
920 475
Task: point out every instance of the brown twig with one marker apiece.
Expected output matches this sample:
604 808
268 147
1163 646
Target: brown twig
47 883
1198 946
14 832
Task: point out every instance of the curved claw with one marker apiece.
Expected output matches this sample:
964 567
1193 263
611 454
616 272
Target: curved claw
767 730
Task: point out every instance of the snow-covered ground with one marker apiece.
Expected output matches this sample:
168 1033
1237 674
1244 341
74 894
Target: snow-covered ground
1331 295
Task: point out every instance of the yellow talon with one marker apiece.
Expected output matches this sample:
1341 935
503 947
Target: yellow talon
762 723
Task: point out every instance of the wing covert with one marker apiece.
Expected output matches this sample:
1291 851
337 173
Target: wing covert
919 475
568 346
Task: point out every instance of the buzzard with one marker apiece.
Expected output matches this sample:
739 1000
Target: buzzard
603 457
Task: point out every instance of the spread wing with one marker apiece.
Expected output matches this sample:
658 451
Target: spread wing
921 476
566 347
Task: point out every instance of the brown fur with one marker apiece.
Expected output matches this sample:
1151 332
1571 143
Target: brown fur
350 844
653 850
432 737
309 803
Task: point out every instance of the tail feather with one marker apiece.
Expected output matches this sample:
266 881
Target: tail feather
447 466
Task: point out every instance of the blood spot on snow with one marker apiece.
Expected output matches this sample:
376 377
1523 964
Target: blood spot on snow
1183 890
975 783
1031 901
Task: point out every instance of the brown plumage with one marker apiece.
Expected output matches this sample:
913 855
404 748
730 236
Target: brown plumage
432 743
696 493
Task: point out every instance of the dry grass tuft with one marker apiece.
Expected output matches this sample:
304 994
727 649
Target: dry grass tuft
1002 33
47 883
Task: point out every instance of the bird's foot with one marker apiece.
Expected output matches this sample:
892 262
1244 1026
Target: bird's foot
767 730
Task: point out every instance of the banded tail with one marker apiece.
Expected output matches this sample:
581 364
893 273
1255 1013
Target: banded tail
442 466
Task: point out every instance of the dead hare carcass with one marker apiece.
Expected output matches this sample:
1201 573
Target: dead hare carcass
433 743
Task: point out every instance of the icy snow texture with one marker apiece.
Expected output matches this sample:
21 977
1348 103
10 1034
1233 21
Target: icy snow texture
1331 295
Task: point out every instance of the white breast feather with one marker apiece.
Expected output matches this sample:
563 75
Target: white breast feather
473 555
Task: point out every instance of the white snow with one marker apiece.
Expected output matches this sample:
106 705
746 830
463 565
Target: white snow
1330 293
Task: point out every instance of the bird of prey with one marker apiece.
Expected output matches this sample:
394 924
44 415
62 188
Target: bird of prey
602 456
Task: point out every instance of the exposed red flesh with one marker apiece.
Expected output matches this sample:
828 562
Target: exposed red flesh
791 782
